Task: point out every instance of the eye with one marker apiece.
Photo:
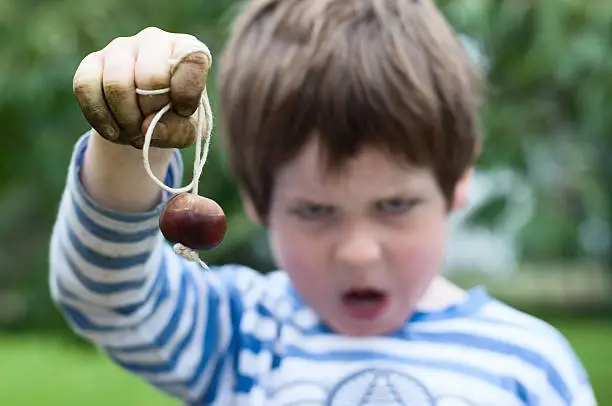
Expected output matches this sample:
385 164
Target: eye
312 211
396 205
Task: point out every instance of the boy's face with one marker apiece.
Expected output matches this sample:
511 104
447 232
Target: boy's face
363 245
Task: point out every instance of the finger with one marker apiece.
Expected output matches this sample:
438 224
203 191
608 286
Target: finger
171 131
188 80
118 84
152 71
87 87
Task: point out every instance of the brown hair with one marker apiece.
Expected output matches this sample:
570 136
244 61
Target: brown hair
384 73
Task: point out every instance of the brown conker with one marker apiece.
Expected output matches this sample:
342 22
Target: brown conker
194 221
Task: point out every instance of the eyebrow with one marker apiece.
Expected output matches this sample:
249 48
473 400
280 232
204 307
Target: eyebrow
300 197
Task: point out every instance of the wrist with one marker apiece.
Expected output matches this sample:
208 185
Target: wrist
115 177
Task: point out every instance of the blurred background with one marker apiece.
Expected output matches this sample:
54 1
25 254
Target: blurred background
537 232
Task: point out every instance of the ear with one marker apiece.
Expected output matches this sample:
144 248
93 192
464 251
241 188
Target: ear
249 208
461 190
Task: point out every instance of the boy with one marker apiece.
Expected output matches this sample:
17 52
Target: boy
351 128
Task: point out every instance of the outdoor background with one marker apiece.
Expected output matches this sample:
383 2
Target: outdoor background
537 233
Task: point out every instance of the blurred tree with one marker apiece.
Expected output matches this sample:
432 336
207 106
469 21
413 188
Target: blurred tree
42 45
548 66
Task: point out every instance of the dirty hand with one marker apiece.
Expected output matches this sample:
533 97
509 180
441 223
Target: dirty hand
105 86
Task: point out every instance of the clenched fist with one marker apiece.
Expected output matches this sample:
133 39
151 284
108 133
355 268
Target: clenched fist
105 86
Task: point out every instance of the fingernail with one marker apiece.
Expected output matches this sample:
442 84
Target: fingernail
137 142
111 132
184 111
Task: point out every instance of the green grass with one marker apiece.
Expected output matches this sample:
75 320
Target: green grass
34 371
592 341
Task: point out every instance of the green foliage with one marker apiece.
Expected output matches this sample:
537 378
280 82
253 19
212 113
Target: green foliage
41 122
548 94
548 91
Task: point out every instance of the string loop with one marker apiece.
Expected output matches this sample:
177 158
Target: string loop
202 143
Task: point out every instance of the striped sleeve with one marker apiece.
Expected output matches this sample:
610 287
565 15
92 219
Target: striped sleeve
540 361
120 285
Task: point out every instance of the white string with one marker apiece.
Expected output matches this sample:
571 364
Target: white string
204 132
204 126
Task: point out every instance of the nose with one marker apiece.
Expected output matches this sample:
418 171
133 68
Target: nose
358 249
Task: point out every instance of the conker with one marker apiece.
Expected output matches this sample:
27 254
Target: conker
194 221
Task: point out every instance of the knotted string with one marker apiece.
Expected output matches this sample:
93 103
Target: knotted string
204 133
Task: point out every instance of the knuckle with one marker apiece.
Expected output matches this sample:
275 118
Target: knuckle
154 81
78 80
117 42
113 84
85 68
151 31
83 89
190 37
96 113
119 49
116 79
114 89
89 58
80 87
198 57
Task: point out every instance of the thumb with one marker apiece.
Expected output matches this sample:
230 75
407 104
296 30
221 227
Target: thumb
171 131
191 61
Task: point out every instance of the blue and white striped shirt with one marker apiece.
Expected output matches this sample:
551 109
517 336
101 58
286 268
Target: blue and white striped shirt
231 336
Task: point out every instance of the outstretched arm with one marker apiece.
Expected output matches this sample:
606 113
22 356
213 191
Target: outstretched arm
121 286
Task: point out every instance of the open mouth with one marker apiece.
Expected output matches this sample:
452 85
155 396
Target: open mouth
364 303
